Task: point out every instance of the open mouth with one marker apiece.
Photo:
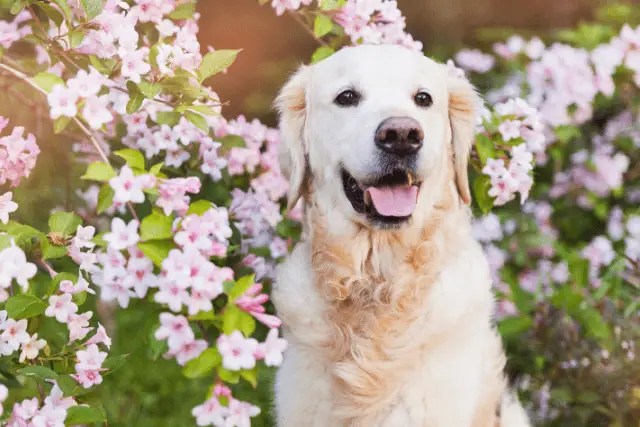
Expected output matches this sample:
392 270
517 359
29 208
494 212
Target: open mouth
391 199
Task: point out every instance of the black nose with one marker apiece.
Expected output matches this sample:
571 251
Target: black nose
399 135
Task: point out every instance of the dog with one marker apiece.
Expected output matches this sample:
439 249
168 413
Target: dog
386 301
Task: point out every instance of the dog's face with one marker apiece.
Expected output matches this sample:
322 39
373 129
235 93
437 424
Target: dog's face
371 127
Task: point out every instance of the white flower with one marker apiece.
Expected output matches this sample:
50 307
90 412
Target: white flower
15 333
95 111
272 348
62 102
60 307
237 351
31 348
7 206
122 235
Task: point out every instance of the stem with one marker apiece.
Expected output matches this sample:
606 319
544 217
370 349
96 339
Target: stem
47 267
298 19
20 75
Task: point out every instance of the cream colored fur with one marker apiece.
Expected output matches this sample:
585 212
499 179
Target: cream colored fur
386 327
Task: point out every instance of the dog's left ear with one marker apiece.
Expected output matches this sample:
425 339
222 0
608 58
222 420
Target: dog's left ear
464 104
291 104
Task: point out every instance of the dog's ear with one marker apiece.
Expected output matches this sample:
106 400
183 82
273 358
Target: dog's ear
464 103
291 104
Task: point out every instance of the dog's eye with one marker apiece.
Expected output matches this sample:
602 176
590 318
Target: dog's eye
348 98
423 99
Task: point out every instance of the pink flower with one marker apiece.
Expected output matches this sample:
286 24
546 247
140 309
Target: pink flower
252 302
7 206
494 168
56 399
100 337
15 333
88 378
475 60
122 235
50 416
78 325
62 102
95 111
271 350
83 237
510 129
209 413
189 351
175 329
60 307
128 187
85 84
31 348
90 359
133 64
240 413
237 351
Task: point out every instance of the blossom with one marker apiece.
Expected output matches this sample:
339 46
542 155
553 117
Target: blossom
252 302
14 265
237 351
95 111
83 237
475 60
175 329
31 348
7 206
100 337
210 412
90 359
88 378
85 84
61 307
240 413
134 65
15 333
273 347
122 235
62 101
128 187
17 155
188 351
78 326
56 399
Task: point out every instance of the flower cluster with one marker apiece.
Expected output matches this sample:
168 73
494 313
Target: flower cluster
14 337
14 265
17 154
474 60
214 413
52 413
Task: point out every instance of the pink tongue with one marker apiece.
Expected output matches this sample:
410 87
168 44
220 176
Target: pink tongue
394 201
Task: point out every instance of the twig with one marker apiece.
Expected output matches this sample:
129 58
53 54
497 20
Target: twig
309 31
47 267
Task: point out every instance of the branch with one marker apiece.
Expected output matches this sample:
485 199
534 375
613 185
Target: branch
309 31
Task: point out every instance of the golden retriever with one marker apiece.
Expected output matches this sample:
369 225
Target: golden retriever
386 300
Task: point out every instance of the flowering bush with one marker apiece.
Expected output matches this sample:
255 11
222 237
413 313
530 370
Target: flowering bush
183 217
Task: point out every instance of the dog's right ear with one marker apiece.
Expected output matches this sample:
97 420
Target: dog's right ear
292 107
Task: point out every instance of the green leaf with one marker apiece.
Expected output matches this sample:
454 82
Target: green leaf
135 102
105 198
203 364
485 148
321 53
251 376
67 384
241 286
18 6
51 12
234 319
65 223
92 8
199 207
65 8
322 25
481 187
114 363
156 226
157 250
513 327
328 5
203 315
38 372
579 269
184 11
51 251
149 90
198 120
80 415
170 118
227 376
60 124
566 133
75 38
24 306
155 169
229 141
22 234
215 62
47 81
99 171
134 158
202 109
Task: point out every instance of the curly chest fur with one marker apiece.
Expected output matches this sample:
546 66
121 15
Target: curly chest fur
398 331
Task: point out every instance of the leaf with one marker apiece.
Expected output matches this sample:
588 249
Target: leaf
170 118
38 372
156 226
92 8
60 124
328 5
513 327
203 364
65 8
67 384
105 198
184 11
99 171
203 315
80 415
202 109
566 133
481 187
322 25
251 376
22 234
234 319
229 141
215 62
321 53
155 169
47 81
24 306
114 363
157 250
51 12
75 38
485 148
199 207
149 90
199 121
134 158
65 223
51 251
241 286
135 102
227 376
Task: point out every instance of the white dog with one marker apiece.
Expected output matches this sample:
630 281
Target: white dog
387 301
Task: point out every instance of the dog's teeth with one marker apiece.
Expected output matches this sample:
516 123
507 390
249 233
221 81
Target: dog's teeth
410 178
367 198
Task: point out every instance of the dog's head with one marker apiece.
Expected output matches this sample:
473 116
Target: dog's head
371 129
